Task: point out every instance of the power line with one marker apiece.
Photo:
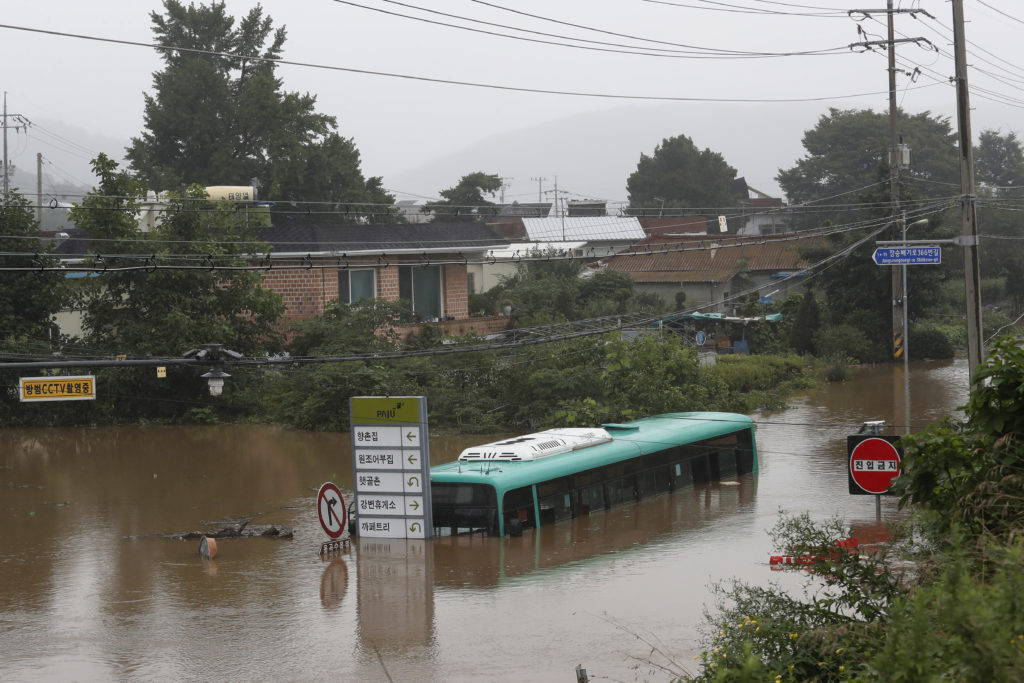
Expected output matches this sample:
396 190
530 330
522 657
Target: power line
443 81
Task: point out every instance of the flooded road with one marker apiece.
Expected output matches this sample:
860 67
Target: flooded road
91 590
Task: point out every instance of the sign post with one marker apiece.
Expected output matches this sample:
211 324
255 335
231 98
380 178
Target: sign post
874 464
391 466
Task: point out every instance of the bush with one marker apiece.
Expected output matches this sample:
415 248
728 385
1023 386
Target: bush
930 343
845 341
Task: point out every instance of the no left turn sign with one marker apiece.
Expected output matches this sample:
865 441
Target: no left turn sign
330 507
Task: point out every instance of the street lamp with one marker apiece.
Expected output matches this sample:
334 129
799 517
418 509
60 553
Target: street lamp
215 354
215 379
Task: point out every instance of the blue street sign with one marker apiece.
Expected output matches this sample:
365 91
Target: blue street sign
898 256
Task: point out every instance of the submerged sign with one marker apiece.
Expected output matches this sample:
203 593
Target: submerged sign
391 466
81 388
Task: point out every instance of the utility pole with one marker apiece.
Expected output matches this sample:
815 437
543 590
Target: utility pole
5 163
896 159
969 235
503 186
539 188
898 332
39 190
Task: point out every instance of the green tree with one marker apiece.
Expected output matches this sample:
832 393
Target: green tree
28 300
679 175
847 151
163 310
806 324
219 116
999 160
466 201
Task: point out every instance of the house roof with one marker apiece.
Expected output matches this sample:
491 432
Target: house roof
301 234
708 260
583 229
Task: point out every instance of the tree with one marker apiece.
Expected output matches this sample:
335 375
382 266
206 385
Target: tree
219 116
465 201
678 175
999 160
847 152
165 310
28 300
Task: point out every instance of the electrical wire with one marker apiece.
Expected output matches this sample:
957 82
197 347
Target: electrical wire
443 81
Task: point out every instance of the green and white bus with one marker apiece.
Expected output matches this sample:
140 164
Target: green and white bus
528 481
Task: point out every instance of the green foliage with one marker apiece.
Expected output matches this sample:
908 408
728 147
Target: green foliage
847 150
165 312
28 300
929 342
806 324
844 341
999 160
680 175
823 634
216 119
970 473
465 201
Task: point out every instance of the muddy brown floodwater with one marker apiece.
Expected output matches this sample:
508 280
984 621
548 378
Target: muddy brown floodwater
91 590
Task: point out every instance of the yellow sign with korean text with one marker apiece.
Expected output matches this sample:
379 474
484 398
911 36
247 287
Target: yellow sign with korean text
55 388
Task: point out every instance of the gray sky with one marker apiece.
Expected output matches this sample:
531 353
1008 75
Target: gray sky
421 136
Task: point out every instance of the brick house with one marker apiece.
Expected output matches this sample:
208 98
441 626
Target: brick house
425 264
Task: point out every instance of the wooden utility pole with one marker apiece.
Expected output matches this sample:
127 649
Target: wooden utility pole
969 234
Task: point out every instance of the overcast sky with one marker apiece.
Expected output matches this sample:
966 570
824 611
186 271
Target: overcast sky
710 70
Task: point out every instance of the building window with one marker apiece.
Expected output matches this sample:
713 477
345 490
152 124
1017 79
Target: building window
354 285
471 283
421 287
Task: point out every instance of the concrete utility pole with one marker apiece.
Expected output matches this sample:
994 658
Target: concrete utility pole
539 188
899 334
503 186
5 163
39 189
969 236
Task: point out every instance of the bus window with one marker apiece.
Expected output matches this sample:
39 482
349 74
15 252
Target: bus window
727 463
518 504
654 481
464 508
700 469
555 500
681 473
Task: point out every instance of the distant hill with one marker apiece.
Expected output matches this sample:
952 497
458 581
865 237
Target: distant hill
593 154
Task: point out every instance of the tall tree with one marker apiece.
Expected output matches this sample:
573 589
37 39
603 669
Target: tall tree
847 153
219 116
999 160
170 306
28 299
164 310
466 200
679 175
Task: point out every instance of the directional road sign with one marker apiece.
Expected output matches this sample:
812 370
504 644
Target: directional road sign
391 466
907 256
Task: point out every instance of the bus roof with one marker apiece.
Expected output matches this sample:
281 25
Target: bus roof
628 440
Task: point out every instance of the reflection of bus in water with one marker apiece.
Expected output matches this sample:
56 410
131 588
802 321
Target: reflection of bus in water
538 479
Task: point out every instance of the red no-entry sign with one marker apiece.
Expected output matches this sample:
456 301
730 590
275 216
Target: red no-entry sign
874 463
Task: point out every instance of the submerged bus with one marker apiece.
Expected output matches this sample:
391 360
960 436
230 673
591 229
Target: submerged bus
537 479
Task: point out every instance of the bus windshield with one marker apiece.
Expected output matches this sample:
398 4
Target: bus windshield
463 508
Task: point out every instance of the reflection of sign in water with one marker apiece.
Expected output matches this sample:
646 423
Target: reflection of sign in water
81 388
874 463
333 583
395 594
330 507
391 466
